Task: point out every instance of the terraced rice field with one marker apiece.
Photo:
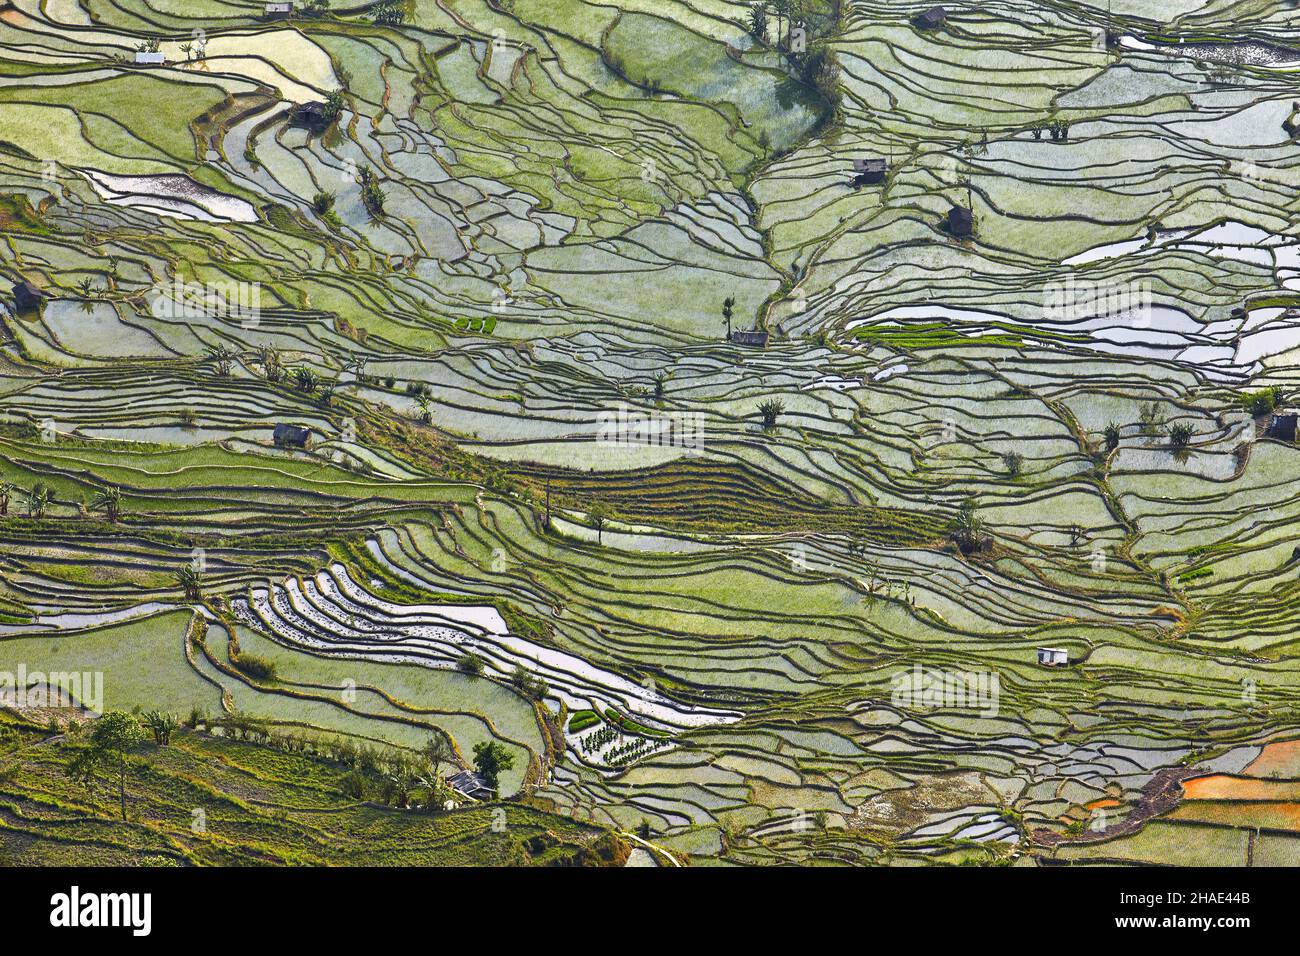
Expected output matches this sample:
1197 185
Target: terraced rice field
539 507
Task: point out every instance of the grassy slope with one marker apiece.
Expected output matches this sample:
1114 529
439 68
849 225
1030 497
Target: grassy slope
261 807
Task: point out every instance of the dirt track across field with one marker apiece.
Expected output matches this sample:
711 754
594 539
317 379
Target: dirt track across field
1162 793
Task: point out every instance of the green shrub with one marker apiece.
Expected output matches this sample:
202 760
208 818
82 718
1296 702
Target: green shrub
258 668
1262 402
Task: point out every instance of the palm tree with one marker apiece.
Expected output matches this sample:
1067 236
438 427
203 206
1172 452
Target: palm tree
305 379
38 499
161 725
400 779
222 358
7 488
778 10
322 202
1112 436
771 410
109 501
758 21
1180 433
426 415
269 359
190 582
438 751
968 528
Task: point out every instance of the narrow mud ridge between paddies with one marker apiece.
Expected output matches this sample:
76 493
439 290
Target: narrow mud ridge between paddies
1161 794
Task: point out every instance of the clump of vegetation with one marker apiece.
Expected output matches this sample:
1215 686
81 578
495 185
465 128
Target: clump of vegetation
38 499
529 684
1112 436
1014 463
272 366
18 214
819 70
1180 433
189 581
1262 402
598 513
491 760
757 25
770 411
161 725
372 194
334 103
389 13
108 501
222 359
967 530
469 663
258 668
1151 419
305 379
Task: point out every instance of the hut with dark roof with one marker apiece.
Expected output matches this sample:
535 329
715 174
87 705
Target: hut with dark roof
27 298
960 222
869 171
313 115
472 785
291 436
931 19
1282 427
753 337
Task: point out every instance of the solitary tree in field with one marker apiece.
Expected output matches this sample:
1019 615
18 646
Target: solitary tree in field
491 760
269 359
109 501
113 738
968 529
222 360
599 514
470 663
1112 436
728 305
38 499
771 410
6 492
305 379
188 580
